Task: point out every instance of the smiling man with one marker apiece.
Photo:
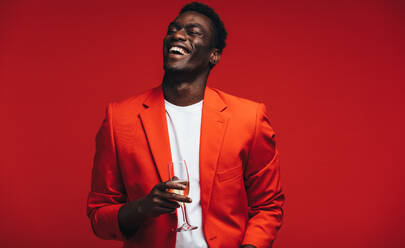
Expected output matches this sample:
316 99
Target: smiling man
235 197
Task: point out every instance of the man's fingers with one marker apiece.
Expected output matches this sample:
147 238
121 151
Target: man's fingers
176 184
175 197
162 210
172 185
167 204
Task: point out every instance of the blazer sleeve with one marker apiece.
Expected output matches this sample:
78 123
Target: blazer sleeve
262 182
107 193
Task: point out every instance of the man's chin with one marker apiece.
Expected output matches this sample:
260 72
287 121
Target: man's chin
174 69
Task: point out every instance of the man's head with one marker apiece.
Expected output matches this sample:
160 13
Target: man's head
194 40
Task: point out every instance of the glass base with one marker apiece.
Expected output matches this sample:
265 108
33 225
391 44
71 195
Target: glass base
186 227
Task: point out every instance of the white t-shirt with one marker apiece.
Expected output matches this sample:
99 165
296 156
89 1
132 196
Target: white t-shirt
184 125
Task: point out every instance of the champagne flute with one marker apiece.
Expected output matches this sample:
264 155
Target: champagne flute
179 171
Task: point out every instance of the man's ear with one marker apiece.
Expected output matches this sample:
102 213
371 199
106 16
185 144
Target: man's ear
215 55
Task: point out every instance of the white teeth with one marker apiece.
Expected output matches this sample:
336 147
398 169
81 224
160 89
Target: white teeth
177 49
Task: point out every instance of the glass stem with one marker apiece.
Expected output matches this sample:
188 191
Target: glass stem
183 210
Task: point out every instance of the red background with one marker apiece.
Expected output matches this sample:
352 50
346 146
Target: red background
330 73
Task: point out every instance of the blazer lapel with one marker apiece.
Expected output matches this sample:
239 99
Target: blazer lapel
214 121
154 123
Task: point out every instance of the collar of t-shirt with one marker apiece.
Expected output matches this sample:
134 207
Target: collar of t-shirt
189 108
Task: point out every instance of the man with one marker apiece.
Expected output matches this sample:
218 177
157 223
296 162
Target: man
228 143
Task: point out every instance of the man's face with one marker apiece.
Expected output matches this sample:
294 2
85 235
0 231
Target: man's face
187 44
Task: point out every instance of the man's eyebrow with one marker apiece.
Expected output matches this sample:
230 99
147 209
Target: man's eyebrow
189 25
197 25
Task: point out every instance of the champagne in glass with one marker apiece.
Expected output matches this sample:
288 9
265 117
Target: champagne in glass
179 171
181 191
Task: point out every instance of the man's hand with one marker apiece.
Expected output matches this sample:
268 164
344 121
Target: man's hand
159 201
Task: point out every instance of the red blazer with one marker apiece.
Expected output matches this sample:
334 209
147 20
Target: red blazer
241 196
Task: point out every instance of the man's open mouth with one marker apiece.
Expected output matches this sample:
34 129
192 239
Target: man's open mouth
178 50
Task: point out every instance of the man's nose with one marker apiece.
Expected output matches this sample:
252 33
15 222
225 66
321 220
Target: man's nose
180 34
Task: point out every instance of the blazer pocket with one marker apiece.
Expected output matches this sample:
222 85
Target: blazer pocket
230 174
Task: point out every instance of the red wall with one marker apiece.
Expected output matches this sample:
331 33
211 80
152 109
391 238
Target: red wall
330 72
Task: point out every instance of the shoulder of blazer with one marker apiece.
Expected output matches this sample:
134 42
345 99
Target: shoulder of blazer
129 109
238 107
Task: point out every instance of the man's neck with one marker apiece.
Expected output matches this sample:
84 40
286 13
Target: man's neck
183 91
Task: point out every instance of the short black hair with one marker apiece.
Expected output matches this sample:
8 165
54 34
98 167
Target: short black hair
220 32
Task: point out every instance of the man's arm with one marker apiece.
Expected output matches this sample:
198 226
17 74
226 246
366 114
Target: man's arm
112 217
107 193
262 182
